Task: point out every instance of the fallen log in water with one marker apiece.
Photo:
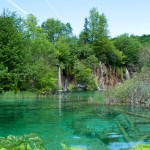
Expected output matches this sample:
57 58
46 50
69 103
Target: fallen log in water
141 121
130 121
125 134
127 112
143 138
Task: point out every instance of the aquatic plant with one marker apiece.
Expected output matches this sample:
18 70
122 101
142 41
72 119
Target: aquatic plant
26 142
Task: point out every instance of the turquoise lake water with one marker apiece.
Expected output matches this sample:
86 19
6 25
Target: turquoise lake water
75 121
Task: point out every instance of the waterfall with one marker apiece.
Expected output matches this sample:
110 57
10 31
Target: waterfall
59 89
66 85
101 75
127 74
98 88
59 80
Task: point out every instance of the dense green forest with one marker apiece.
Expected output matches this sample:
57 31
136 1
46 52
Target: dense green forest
31 54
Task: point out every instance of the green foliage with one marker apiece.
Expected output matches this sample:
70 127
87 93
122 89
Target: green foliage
71 87
30 54
82 74
48 82
31 26
55 29
84 35
91 61
107 52
26 142
130 48
144 56
133 91
119 72
84 52
94 20
137 89
95 27
12 53
122 93
144 39
95 35
62 51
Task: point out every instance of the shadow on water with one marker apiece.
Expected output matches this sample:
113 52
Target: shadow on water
76 121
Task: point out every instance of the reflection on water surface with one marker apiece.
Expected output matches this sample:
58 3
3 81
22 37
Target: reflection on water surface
75 121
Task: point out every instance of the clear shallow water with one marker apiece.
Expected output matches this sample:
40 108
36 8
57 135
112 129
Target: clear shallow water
75 122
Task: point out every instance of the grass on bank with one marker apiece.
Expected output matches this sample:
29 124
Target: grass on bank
12 94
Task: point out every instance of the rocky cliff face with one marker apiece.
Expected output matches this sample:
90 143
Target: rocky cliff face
105 76
108 76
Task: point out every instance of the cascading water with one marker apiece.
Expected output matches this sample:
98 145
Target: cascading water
59 79
127 74
66 85
59 90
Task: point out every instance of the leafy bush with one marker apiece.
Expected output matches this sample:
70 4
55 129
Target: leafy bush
71 87
83 75
133 91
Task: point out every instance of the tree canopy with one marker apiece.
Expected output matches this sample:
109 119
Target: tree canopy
30 54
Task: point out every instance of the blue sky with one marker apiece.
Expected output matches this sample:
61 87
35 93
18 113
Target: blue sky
124 16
